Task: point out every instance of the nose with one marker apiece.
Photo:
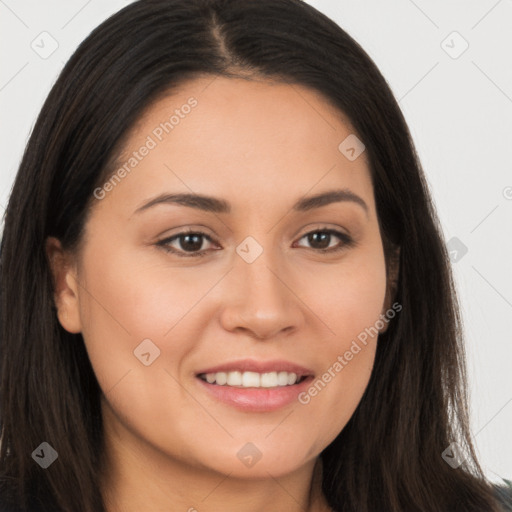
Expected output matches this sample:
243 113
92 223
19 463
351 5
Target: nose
262 300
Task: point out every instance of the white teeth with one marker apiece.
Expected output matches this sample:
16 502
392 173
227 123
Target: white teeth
269 380
282 378
220 378
234 379
251 379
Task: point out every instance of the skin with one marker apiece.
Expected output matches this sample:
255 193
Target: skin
261 146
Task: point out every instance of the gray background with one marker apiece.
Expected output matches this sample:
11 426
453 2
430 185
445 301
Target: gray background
458 105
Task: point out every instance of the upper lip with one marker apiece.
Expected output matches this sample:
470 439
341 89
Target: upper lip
251 365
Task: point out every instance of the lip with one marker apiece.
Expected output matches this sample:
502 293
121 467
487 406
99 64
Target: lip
255 399
252 365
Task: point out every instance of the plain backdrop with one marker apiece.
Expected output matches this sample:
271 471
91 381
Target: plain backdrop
449 66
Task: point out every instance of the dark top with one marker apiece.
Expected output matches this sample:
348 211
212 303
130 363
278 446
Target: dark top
503 493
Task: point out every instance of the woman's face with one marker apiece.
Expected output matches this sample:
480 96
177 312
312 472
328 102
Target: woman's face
262 297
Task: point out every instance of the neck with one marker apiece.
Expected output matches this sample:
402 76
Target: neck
137 477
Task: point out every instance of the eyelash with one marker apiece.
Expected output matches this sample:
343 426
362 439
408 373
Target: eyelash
348 242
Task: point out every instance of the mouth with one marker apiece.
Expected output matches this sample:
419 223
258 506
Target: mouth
255 387
239 379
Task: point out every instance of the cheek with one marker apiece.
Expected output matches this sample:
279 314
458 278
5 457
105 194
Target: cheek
348 357
125 300
334 396
142 291
349 302
348 297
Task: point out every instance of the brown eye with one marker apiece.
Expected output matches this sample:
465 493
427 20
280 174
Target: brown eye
320 240
189 244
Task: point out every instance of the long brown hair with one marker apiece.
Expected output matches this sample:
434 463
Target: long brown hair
388 457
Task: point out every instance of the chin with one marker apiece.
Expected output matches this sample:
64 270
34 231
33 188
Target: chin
257 460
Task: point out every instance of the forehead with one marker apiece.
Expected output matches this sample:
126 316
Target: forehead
247 139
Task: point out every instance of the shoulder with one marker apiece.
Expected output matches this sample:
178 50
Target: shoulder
8 507
503 492
5 496
7 501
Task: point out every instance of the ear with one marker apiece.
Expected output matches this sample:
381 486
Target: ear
392 272
65 286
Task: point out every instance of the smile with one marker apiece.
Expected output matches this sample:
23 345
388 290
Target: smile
252 379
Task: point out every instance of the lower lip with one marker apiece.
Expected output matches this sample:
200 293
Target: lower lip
256 399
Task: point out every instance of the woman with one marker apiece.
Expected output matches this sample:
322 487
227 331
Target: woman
222 276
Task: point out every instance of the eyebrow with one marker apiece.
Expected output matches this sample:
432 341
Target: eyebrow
217 205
